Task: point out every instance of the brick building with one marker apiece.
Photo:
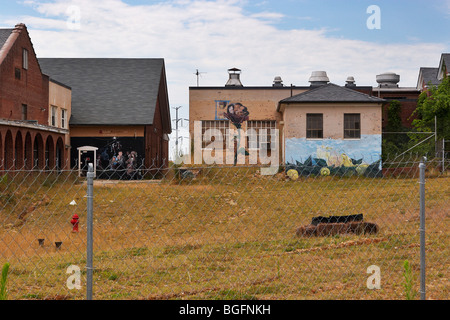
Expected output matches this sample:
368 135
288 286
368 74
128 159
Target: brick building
389 90
119 106
27 138
286 110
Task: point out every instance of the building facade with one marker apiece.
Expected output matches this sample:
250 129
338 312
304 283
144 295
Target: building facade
28 138
286 110
332 129
119 106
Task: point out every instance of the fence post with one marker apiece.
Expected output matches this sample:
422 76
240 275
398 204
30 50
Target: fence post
422 167
90 237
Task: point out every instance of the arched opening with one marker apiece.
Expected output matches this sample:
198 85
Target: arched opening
18 153
38 152
49 153
8 154
28 151
59 153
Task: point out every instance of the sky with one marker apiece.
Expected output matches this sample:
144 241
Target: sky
263 38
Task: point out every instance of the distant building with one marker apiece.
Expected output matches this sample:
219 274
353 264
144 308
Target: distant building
444 66
119 106
33 109
432 76
389 90
333 126
312 121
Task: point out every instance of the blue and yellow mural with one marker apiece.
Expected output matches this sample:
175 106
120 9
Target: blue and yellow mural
334 157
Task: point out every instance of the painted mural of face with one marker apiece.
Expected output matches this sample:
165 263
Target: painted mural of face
239 109
241 112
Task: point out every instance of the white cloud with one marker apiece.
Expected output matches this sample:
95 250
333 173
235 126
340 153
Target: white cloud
213 36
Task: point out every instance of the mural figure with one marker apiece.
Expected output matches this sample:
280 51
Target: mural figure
116 163
237 114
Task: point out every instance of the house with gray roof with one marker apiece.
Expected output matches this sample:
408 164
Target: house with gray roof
444 66
432 76
332 128
119 106
427 77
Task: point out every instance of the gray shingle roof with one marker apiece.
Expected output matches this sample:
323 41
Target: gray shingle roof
4 34
109 91
429 75
446 58
332 93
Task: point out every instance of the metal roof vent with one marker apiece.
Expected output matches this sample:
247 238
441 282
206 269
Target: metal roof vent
233 80
277 82
388 80
318 78
350 82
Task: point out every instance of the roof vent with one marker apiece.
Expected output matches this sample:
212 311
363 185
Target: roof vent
388 80
233 80
277 82
350 82
318 78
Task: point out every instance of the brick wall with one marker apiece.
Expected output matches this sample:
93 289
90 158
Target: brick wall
408 102
31 89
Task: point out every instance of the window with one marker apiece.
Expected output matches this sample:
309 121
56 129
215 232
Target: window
63 118
17 73
260 138
54 116
314 125
208 134
24 112
352 126
25 59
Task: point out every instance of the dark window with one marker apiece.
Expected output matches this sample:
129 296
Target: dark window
63 118
314 125
352 126
17 73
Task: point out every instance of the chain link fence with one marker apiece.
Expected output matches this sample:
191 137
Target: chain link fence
227 232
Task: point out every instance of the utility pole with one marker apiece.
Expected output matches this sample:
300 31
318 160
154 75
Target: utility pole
197 73
176 128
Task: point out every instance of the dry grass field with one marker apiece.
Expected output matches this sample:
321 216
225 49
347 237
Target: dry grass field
227 234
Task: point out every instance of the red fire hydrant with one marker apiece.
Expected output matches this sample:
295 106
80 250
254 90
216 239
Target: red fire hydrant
74 221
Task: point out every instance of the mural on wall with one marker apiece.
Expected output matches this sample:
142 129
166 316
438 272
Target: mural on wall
334 157
117 158
237 113
221 109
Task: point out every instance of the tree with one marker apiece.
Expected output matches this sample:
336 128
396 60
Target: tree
434 103
394 143
433 112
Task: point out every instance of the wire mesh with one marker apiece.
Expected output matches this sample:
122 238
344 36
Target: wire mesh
227 232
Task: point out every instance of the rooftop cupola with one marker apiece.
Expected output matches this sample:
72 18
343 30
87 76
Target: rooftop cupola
318 78
234 78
